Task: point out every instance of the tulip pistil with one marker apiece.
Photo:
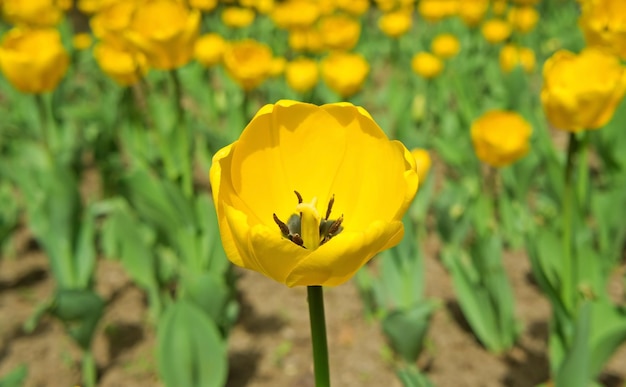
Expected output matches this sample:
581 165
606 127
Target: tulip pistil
306 228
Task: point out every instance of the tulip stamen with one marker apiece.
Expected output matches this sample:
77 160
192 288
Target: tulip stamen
318 231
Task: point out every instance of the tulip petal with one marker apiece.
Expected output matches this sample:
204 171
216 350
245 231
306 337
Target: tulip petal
337 261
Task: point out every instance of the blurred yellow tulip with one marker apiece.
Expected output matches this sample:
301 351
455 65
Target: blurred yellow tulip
396 23
33 61
422 162
209 49
295 14
512 56
500 137
344 72
523 19
237 17
582 91
426 65
248 62
203 5
82 41
34 13
473 11
445 46
165 31
124 65
603 23
340 32
496 31
302 74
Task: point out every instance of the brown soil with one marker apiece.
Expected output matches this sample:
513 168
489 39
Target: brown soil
270 344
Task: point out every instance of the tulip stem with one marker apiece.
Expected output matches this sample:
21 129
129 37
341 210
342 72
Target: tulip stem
182 131
43 121
318 335
567 287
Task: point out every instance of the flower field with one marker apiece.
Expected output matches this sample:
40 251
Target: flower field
442 183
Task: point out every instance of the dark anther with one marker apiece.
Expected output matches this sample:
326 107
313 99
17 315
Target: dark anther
299 196
283 227
335 226
297 239
330 207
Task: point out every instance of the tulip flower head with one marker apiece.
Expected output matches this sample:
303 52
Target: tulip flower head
33 61
500 137
302 219
582 91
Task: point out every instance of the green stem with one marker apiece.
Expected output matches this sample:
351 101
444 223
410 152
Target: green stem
568 280
89 370
318 335
182 131
44 123
494 191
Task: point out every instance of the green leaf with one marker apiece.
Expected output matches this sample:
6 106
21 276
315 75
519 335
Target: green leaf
406 329
575 369
190 352
80 311
15 378
412 377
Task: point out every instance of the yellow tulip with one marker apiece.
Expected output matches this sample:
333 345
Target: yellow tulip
473 11
526 2
112 21
33 13
353 7
512 56
302 74
422 162
248 62
203 5
124 65
396 23
435 10
340 32
33 61
295 14
603 23
93 6
582 91
308 39
500 137
277 66
345 73
209 49
523 19
165 32
445 46
237 17
426 65
496 31
352 186
499 7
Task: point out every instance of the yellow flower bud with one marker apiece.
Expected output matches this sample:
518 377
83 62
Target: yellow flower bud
237 17
422 162
603 23
512 56
165 32
124 65
445 46
248 62
209 49
302 74
582 91
496 31
33 61
353 7
500 137
396 23
426 65
345 73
